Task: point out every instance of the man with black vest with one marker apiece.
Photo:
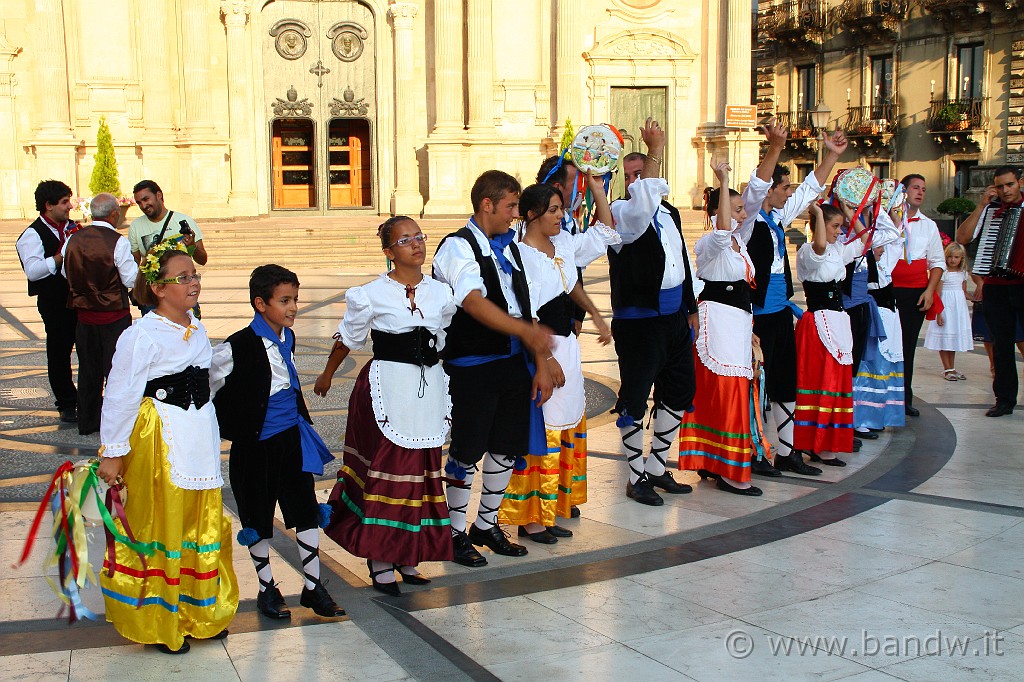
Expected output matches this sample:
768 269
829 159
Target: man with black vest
773 311
39 248
100 269
652 300
489 380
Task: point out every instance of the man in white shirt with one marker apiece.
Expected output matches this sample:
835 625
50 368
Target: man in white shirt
39 248
99 268
159 223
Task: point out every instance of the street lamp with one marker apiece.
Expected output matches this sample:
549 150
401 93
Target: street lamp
820 116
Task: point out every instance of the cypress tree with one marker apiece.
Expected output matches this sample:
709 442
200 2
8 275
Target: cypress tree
104 173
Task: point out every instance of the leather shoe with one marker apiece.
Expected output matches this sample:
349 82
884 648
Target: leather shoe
999 410
542 536
69 415
163 648
463 552
911 411
271 604
834 462
412 578
866 435
795 462
320 600
643 492
752 491
762 467
574 512
560 532
857 445
496 539
668 484
391 589
706 475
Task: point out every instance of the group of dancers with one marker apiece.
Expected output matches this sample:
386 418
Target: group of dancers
484 350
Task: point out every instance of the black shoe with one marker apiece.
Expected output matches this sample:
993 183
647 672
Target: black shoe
87 431
643 492
911 411
834 462
999 410
560 532
574 512
795 462
320 600
707 475
857 444
542 536
168 650
762 467
496 539
866 435
752 491
391 589
668 484
271 604
412 578
463 552
223 634
69 415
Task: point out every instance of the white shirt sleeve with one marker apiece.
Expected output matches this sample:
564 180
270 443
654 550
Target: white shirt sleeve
590 245
30 250
354 327
886 231
221 365
127 268
124 391
634 215
808 191
934 252
455 265
753 198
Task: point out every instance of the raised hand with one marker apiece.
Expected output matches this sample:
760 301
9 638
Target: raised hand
721 169
837 143
652 135
775 133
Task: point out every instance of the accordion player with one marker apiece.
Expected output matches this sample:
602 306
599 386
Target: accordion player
1000 243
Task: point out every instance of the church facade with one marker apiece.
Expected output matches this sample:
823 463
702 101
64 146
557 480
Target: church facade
253 107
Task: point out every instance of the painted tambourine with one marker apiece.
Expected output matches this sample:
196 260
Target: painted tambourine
853 183
91 515
596 149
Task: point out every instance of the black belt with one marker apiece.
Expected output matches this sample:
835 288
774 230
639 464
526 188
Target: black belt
557 314
823 296
885 297
735 294
187 387
416 347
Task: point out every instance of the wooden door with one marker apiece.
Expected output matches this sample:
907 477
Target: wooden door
292 163
630 107
348 159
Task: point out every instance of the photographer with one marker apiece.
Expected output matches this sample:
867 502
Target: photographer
158 223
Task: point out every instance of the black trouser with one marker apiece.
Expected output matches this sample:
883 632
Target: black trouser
860 324
911 319
96 345
59 323
778 345
654 352
1004 309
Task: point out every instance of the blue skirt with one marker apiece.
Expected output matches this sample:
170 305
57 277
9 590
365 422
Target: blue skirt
878 390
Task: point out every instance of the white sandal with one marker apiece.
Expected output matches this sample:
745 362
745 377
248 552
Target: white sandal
961 376
949 375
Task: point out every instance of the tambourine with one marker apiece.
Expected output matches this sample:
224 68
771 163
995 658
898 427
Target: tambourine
91 515
853 184
596 149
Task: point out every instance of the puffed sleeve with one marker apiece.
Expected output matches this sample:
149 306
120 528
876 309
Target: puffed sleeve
590 245
455 265
126 384
355 326
754 195
221 365
633 216
711 244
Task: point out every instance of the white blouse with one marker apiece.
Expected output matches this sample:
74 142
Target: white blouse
831 265
551 277
717 261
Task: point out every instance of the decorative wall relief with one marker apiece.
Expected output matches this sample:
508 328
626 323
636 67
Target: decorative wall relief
292 106
290 37
347 40
350 106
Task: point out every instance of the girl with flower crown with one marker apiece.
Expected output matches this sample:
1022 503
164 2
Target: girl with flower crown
160 439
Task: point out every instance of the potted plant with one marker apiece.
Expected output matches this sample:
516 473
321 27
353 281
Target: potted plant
957 207
951 117
104 176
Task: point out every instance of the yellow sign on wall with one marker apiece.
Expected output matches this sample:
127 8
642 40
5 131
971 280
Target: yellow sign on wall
740 116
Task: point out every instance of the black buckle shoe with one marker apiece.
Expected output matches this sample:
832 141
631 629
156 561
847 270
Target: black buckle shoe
496 539
999 410
911 411
271 604
667 483
320 600
411 578
464 553
643 492
752 491
834 462
69 415
762 467
542 536
795 462
163 648
559 532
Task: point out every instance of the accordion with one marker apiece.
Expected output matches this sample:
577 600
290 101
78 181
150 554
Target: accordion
1000 245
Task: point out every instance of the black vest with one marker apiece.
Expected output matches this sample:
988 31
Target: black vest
761 250
850 267
466 336
635 271
242 403
54 286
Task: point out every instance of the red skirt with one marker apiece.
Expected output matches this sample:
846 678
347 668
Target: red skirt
824 395
716 435
389 502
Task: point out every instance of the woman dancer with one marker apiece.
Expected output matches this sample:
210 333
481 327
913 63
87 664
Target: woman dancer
160 435
389 504
553 481
716 437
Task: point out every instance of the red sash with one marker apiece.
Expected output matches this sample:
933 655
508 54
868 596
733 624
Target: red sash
910 275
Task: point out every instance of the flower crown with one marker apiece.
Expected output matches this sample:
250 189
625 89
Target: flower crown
151 263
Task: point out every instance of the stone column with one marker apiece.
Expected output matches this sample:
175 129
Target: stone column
243 153
738 53
157 98
448 66
481 67
406 198
9 152
54 143
196 60
568 67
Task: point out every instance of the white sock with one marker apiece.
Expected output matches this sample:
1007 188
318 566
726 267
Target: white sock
497 473
633 448
308 542
387 573
260 555
458 495
666 429
783 414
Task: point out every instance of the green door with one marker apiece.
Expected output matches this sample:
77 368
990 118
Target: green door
630 107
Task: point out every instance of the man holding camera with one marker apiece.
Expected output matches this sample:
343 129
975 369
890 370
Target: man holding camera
158 224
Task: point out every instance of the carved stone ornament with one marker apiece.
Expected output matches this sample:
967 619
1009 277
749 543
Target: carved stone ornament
349 106
290 37
292 106
347 40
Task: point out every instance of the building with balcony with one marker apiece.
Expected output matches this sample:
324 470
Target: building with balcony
933 87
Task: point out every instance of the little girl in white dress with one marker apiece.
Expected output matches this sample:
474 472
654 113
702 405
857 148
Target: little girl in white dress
950 331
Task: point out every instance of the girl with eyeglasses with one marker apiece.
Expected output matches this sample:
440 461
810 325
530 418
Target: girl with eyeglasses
160 439
389 502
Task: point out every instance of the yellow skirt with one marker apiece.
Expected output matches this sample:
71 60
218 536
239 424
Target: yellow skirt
187 586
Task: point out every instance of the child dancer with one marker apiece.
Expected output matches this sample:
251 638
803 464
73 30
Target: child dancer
950 331
274 449
160 436
389 504
552 480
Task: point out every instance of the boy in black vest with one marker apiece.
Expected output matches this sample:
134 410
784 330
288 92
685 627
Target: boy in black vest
274 449
489 380
653 306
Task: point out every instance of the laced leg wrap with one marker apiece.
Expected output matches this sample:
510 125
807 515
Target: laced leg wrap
784 426
458 493
497 474
633 448
308 542
666 429
260 555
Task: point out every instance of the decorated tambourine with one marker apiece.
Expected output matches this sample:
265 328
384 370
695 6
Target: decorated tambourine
596 149
852 184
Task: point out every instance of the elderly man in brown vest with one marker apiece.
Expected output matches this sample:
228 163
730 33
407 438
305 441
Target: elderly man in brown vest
100 269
